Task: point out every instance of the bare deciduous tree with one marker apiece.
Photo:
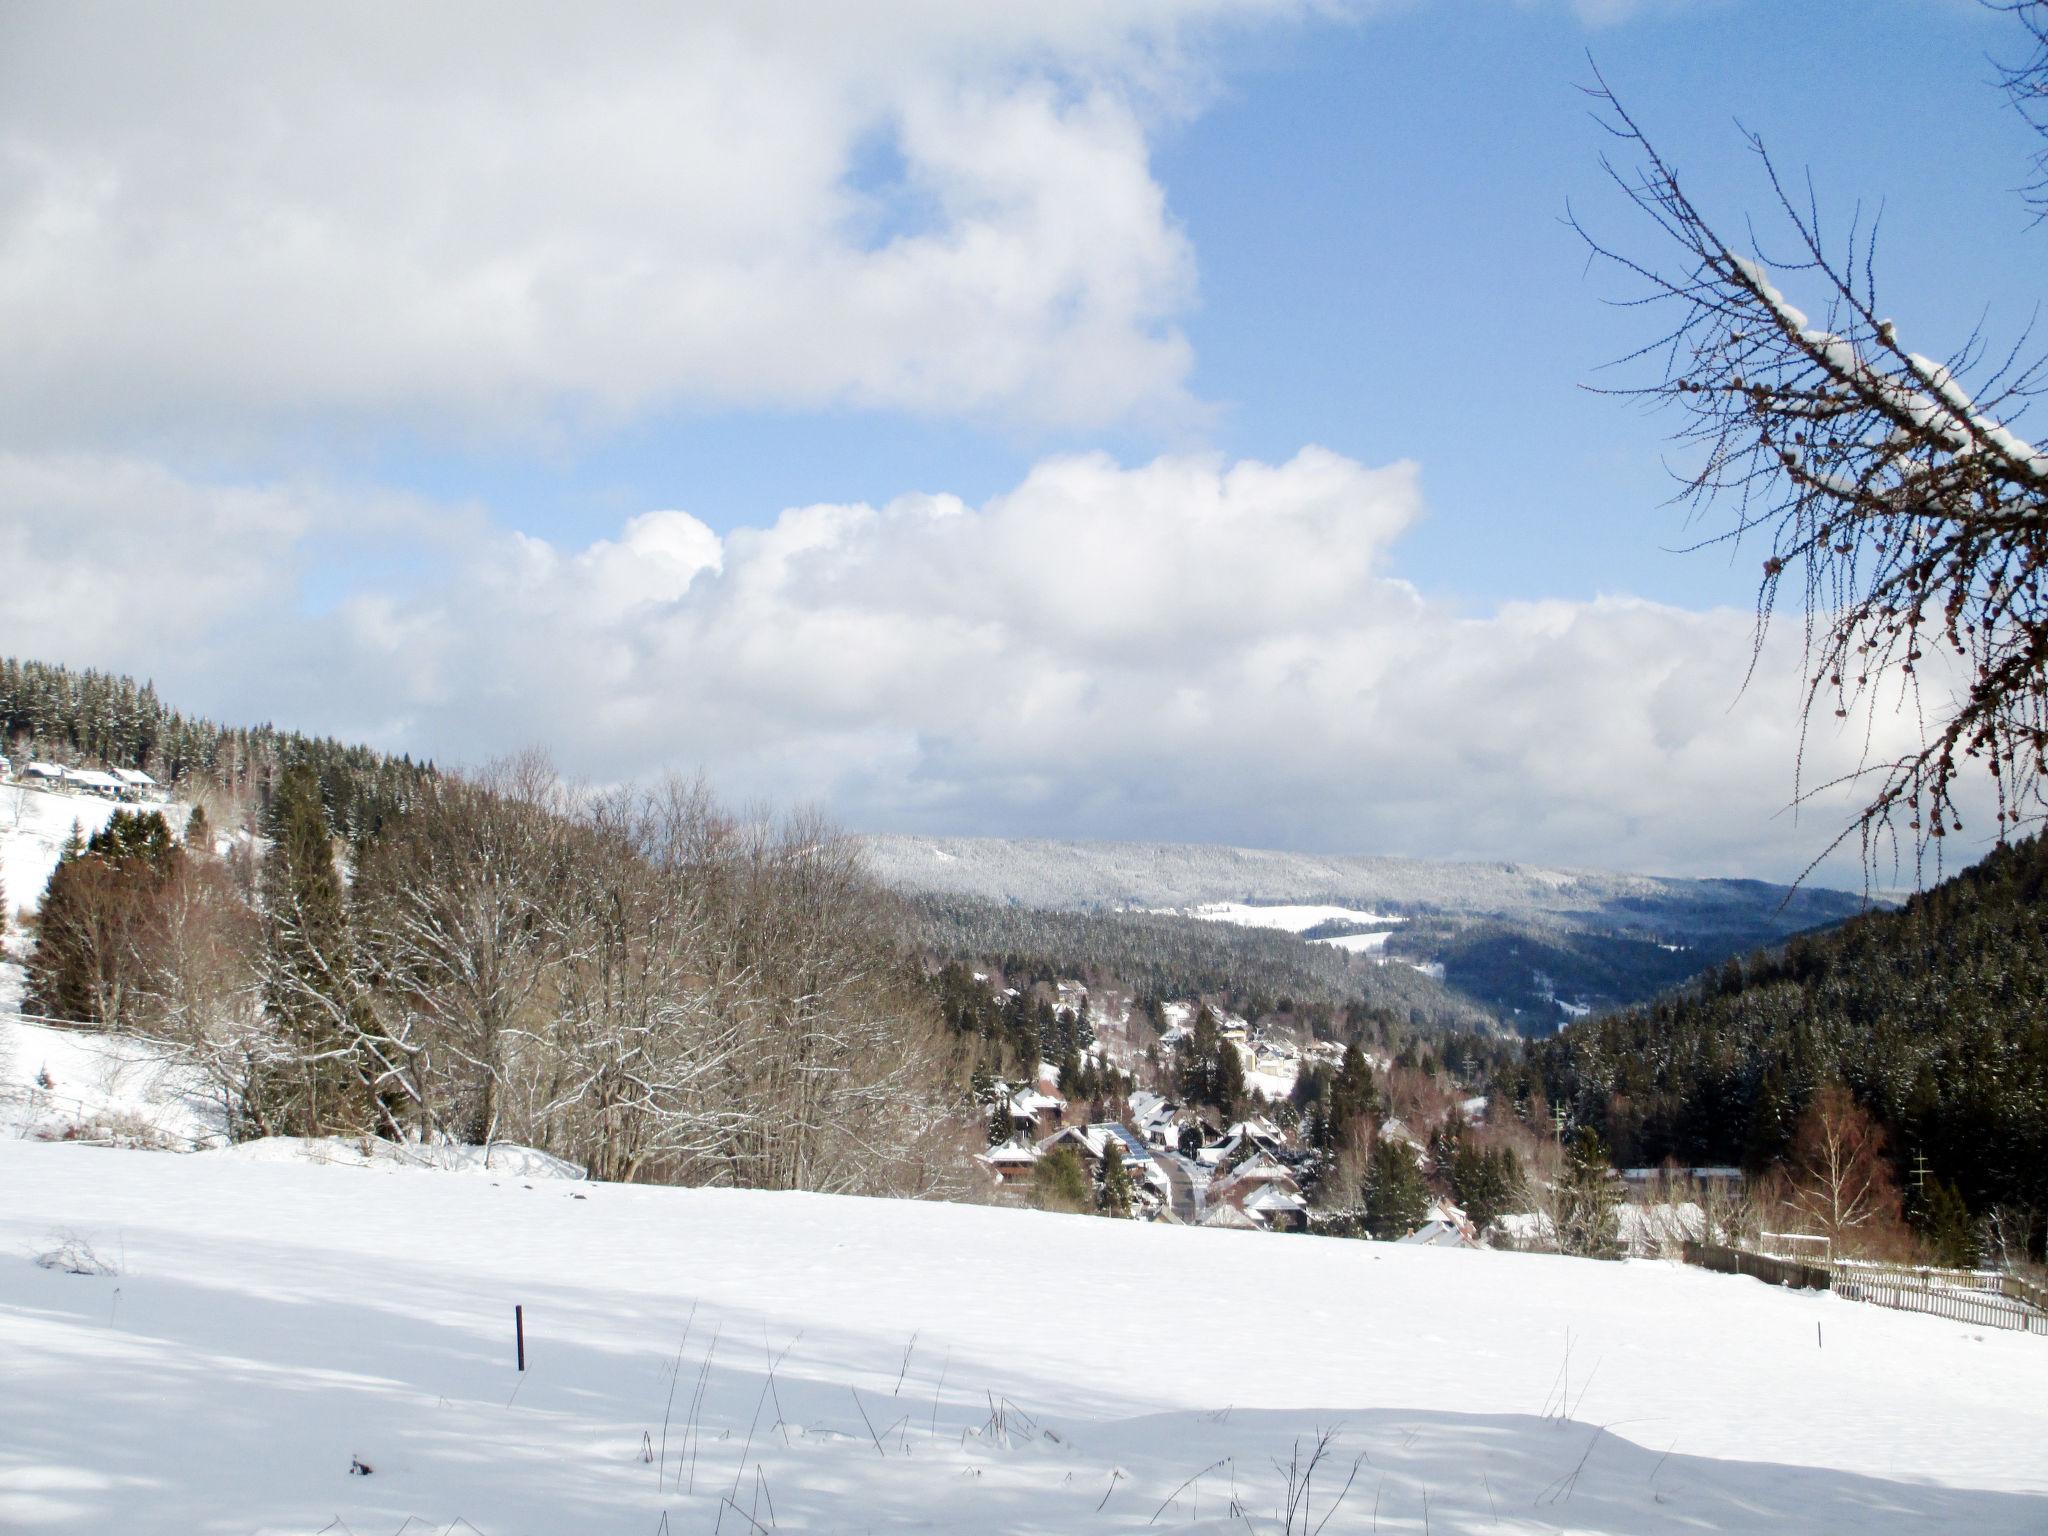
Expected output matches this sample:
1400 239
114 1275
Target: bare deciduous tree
1841 1182
1891 488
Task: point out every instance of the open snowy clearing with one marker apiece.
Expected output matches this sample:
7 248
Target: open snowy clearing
33 826
937 1368
1287 919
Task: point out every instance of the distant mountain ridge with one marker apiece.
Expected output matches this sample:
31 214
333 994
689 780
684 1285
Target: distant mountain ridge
1057 875
1533 944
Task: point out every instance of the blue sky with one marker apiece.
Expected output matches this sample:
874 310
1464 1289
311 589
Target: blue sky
1377 207
398 337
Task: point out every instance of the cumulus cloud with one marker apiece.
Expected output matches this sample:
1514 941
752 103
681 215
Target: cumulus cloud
484 215
1190 649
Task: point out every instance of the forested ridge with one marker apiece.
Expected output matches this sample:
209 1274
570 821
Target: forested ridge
1934 1017
1161 955
104 718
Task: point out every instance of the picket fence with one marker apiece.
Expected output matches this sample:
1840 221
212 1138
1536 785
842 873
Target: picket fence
1982 1297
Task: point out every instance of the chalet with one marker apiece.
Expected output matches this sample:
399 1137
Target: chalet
1259 1171
1010 1163
136 785
1445 1226
1257 1133
1276 1210
92 782
1033 1112
46 775
1156 1117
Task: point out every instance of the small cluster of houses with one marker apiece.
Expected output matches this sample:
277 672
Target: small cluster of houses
1184 1168
130 784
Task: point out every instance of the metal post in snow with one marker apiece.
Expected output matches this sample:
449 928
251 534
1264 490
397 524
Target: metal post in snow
519 1333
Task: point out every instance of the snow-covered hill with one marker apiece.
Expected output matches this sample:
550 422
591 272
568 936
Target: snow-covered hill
1173 876
831 1364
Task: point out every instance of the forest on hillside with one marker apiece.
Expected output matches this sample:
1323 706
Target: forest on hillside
1933 1017
84 716
1160 955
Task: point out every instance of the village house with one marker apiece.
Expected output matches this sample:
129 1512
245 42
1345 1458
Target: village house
1011 1163
136 784
1091 1141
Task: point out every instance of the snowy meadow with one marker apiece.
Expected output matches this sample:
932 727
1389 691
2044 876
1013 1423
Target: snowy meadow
279 1347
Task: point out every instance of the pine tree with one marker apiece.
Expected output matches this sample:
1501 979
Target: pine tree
1396 1198
1354 1095
1587 1195
1060 1180
1947 1226
1115 1199
309 985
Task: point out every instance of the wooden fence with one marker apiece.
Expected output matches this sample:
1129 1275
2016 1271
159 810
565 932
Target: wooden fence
1982 1297
1988 1298
1760 1266
80 1025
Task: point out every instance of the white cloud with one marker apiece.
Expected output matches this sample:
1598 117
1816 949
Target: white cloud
1188 649
492 215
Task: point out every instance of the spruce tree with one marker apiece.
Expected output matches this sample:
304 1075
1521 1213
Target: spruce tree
309 985
1396 1198
1115 1199
1587 1195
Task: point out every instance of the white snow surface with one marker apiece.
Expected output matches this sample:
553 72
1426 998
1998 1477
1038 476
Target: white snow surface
100 1087
33 826
501 1159
1357 943
270 1322
1288 919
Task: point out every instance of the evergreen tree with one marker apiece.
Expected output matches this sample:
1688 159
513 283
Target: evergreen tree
96 928
1354 1095
310 983
1116 1196
1587 1195
1947 1227
1060 1181
1396 1198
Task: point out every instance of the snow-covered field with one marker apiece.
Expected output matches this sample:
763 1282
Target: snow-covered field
1287 919
1358 943
81 1083
831 1364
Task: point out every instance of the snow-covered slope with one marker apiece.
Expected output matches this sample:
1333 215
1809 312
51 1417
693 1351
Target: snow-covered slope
33 826
948 1369
1053 875
103 1087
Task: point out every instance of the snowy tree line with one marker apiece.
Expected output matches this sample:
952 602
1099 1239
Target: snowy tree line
637 982
1932 1021
56 712
1159 955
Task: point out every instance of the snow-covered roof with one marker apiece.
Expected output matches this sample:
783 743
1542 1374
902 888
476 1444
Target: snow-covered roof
1262 1166
91 778
135 777
1436 1234
1230 1216
44 771
1010 1154
1272 1201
